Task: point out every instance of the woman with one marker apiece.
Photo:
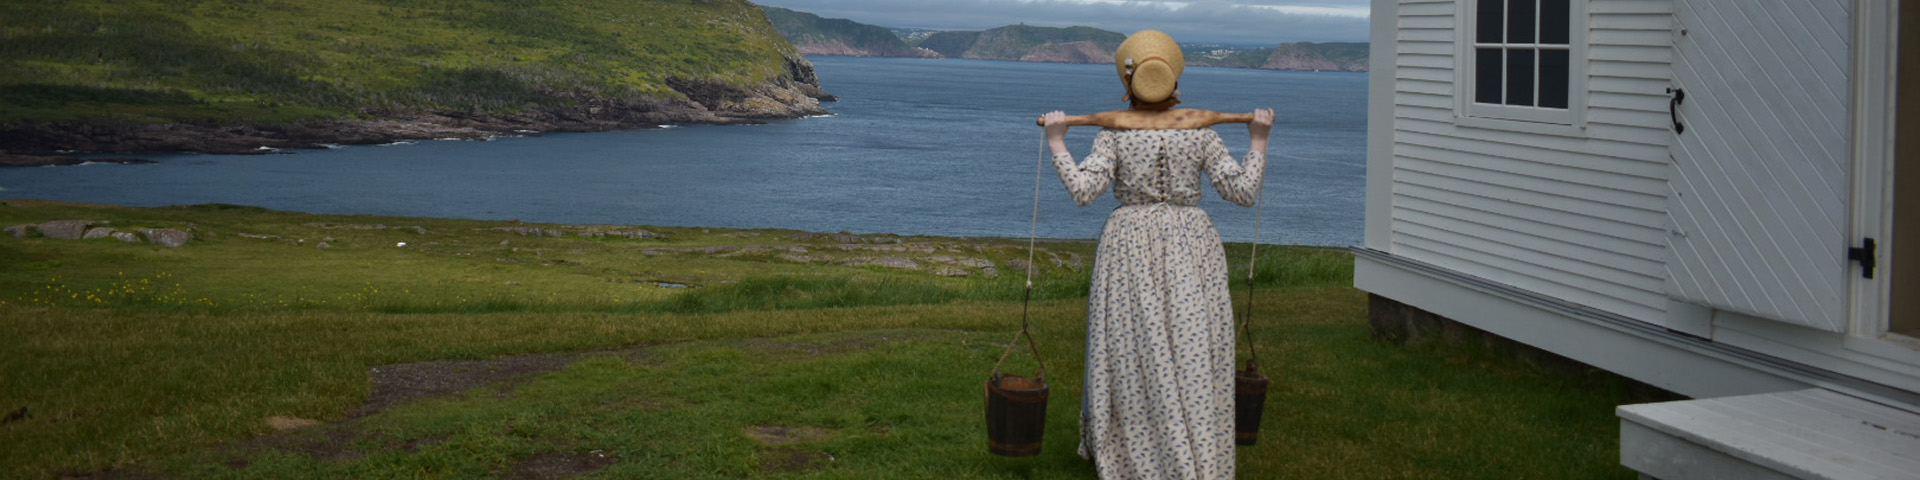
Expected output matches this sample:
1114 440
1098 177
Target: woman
1160 345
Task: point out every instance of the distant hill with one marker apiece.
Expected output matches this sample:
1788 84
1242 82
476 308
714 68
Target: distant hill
953 44
818 36
145 75
813 35
1326 57
1045 44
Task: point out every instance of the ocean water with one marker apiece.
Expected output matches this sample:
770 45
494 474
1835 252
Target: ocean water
915 147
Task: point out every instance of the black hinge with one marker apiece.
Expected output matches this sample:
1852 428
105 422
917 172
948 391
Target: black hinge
1865 255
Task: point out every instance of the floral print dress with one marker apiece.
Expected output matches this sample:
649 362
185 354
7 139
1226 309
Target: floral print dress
1160 345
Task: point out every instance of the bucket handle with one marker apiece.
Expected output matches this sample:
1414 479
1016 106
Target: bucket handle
1026 299
1042 374
1246 314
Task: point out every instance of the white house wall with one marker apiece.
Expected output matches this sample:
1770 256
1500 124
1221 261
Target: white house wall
1576 214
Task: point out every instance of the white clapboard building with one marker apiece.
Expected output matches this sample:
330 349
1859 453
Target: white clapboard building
1720 198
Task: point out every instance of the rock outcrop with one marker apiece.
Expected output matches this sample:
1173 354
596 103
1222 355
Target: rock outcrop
88 230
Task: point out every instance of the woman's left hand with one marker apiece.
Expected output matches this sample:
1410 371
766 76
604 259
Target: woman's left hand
1261 125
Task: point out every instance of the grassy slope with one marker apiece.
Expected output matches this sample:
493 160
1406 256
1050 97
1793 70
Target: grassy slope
121 361
248 60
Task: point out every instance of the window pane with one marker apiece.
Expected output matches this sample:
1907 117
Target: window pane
1554 22
1554 75
1520 73
1489 17
1520 16
1486 75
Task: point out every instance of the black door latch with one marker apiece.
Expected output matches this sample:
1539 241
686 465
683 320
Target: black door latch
1865 255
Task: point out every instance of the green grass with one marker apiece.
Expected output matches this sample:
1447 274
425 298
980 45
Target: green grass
143 61
177 368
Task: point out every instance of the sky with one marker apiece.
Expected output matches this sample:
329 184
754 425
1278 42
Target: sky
1249 22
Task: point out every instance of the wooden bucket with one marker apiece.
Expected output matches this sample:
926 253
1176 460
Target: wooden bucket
1016 415
1250 400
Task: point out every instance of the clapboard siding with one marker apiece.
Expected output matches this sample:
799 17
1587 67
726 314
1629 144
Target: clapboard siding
1614 173
1445 176
1629 85
1443 225
1605 7
1579 215
1639 248
1626 190
1583 260
1648 160
1499 270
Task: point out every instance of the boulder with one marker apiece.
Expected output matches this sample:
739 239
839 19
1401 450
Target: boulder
128 237
65 229
20 231
97 232
167 237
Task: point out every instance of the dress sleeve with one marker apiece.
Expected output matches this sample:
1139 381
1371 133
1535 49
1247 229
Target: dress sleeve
1090 178
1237 182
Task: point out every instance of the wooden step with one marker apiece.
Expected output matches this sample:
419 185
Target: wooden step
1802 434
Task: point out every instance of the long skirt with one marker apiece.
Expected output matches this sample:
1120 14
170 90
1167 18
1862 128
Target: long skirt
1160 348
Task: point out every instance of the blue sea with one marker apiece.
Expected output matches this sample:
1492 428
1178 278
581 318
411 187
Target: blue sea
914 146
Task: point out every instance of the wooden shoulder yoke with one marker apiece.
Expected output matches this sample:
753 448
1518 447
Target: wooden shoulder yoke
1174 119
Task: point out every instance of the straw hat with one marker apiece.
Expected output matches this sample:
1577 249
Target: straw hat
1150 64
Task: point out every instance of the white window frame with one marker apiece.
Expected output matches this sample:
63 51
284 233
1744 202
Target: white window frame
1568 121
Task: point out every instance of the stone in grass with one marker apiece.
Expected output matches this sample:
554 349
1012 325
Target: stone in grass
281 424
65 229
97 232
19 231
128 237
167 237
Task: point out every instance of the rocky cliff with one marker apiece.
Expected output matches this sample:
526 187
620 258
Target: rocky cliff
232 77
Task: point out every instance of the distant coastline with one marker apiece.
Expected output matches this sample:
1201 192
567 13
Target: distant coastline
814 35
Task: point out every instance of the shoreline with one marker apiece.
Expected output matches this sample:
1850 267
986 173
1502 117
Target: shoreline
60 143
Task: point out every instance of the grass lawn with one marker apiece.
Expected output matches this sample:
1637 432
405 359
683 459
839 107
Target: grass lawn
477 351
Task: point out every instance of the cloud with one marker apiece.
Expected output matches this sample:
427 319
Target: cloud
1256 22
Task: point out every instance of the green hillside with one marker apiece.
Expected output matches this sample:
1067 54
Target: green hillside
220 61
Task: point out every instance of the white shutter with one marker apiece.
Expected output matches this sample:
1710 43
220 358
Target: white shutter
1759 191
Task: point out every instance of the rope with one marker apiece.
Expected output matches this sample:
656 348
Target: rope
1033 235
1253 256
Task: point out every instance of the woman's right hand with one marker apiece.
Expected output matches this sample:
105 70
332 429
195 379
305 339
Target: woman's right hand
1262 123
1055 123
